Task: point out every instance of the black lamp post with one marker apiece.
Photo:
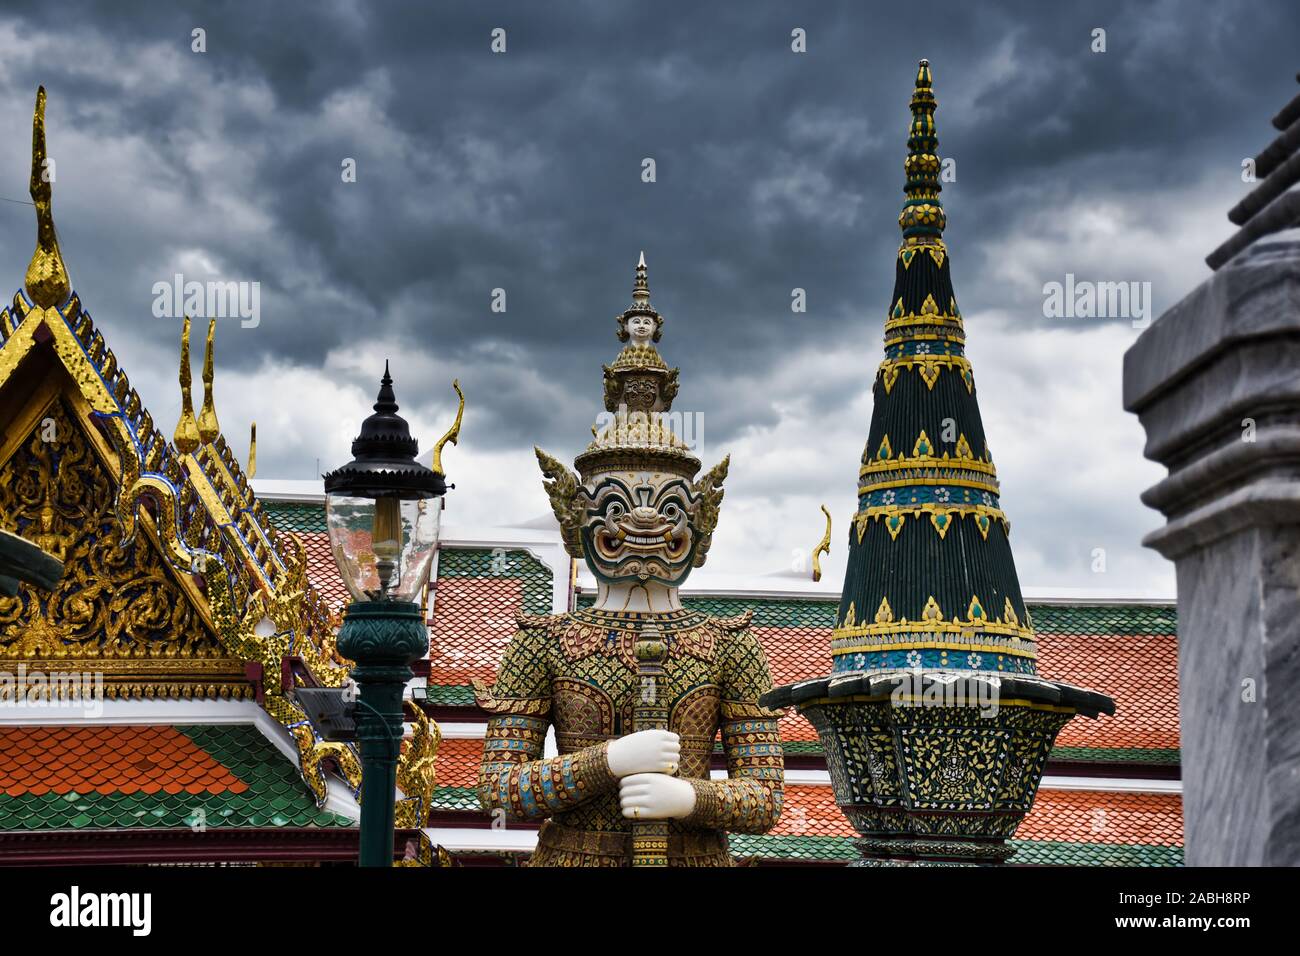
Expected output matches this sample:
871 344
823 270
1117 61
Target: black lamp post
383 509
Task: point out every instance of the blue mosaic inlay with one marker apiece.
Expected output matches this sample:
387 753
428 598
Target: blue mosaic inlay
927 494
931 658
925 347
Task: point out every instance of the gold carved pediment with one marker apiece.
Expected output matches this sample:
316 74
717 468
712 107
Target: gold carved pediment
119 607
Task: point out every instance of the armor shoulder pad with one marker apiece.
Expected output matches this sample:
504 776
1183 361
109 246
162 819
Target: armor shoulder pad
535 622
735 623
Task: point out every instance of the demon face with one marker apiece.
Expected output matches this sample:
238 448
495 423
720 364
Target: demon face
636 525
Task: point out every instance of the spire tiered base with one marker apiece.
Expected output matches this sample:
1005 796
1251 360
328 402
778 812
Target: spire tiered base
933 767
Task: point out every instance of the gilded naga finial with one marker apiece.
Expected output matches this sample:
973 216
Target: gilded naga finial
208 427
47 279
823 547
453 433
252 450
187 436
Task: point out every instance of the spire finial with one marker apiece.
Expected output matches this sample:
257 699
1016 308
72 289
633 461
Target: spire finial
187 435
252 450
387 399
209 429
922 217
641 288
47 278
640 306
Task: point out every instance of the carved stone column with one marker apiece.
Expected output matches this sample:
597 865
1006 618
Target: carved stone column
1215 382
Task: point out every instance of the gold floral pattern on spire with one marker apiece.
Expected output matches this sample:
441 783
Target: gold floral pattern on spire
922 219
47 280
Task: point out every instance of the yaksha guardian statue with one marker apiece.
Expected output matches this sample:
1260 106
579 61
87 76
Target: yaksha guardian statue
636 686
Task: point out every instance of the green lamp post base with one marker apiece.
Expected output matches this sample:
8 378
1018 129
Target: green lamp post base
383 638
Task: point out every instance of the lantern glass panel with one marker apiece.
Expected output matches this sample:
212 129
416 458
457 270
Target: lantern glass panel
383 546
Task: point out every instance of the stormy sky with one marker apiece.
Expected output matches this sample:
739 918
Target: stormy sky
522 171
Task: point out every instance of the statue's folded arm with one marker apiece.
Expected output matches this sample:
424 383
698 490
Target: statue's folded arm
514 776
750 800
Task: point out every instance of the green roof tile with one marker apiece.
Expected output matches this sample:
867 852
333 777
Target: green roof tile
1043 852
501 563
295 516
1028 852
831 849
276 795
1122 619
1154 755
449 695
454 798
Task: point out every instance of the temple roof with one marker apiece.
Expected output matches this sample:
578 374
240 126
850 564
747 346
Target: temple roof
192 494
176 586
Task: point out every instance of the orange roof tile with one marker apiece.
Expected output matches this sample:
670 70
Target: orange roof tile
810 810
796 728
322 572
1139 672
1067 816
458 761
473 621
795 653
84 759
1090 816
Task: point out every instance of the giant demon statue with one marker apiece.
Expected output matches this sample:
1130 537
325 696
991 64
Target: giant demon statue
636 686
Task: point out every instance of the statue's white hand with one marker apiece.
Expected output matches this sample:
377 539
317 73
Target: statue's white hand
655 796
647 751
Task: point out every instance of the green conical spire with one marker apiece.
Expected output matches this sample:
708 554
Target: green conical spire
930 582
931 611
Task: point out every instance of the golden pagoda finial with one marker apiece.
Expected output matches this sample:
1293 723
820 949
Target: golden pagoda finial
823 547
209 429
922 219
187 435
252 450
47 278
453 433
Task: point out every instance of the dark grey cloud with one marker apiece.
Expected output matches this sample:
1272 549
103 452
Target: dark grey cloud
522 171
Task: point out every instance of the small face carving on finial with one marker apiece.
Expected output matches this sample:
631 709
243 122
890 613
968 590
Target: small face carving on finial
641 329
641 324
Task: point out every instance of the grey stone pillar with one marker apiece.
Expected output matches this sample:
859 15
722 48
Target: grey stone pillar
1215 382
